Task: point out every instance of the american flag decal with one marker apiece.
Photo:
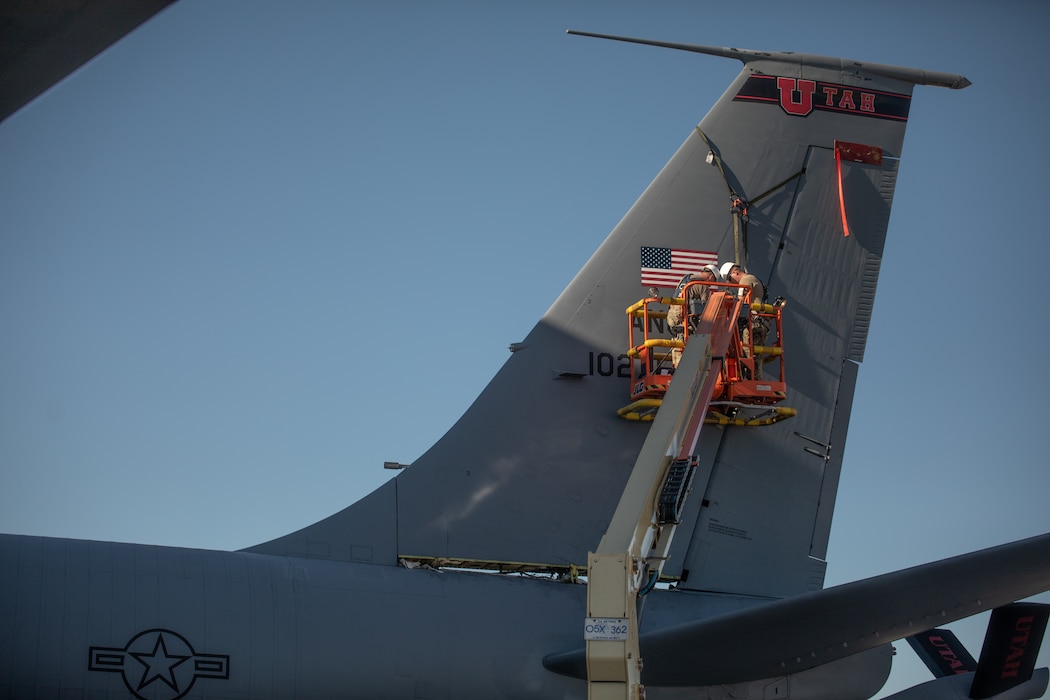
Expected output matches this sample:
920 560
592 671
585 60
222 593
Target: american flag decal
664 267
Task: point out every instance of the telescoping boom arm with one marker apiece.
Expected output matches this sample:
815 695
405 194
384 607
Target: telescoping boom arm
632 553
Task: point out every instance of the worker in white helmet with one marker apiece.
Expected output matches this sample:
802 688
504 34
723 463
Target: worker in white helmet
715 272
696 297
759 331
736 274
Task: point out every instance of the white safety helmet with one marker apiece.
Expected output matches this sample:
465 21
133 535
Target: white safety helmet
713 269
726 267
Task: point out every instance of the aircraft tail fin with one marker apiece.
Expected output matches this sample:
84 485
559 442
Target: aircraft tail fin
530 476
942 652
1006 670
1011 645
956 688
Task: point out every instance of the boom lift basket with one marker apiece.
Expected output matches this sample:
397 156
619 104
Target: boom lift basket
742 396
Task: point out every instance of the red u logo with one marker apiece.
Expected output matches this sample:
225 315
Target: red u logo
805 89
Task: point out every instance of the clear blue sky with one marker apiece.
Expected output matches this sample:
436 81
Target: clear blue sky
208 233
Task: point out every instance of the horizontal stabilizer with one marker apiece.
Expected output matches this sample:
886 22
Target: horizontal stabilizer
942 652
799 633
1011 645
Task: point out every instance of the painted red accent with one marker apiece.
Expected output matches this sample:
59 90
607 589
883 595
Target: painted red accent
842 198
795 97
859 152
805 89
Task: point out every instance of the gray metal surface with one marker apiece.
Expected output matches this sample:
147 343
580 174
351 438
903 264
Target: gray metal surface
267 626
114 620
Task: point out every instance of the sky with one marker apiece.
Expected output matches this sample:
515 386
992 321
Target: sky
256 249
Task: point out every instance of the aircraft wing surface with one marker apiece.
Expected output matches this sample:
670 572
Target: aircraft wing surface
42 42
793 634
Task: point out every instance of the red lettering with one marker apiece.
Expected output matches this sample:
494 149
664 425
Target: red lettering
947 654
829 96
867 102
1021 639
1012 668
790 88
847 100
1017 646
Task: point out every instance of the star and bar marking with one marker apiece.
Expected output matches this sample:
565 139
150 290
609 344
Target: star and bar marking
159 662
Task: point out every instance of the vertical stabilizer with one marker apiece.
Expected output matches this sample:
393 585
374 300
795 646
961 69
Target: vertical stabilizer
530 475
942 652
1006 670
1011 646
